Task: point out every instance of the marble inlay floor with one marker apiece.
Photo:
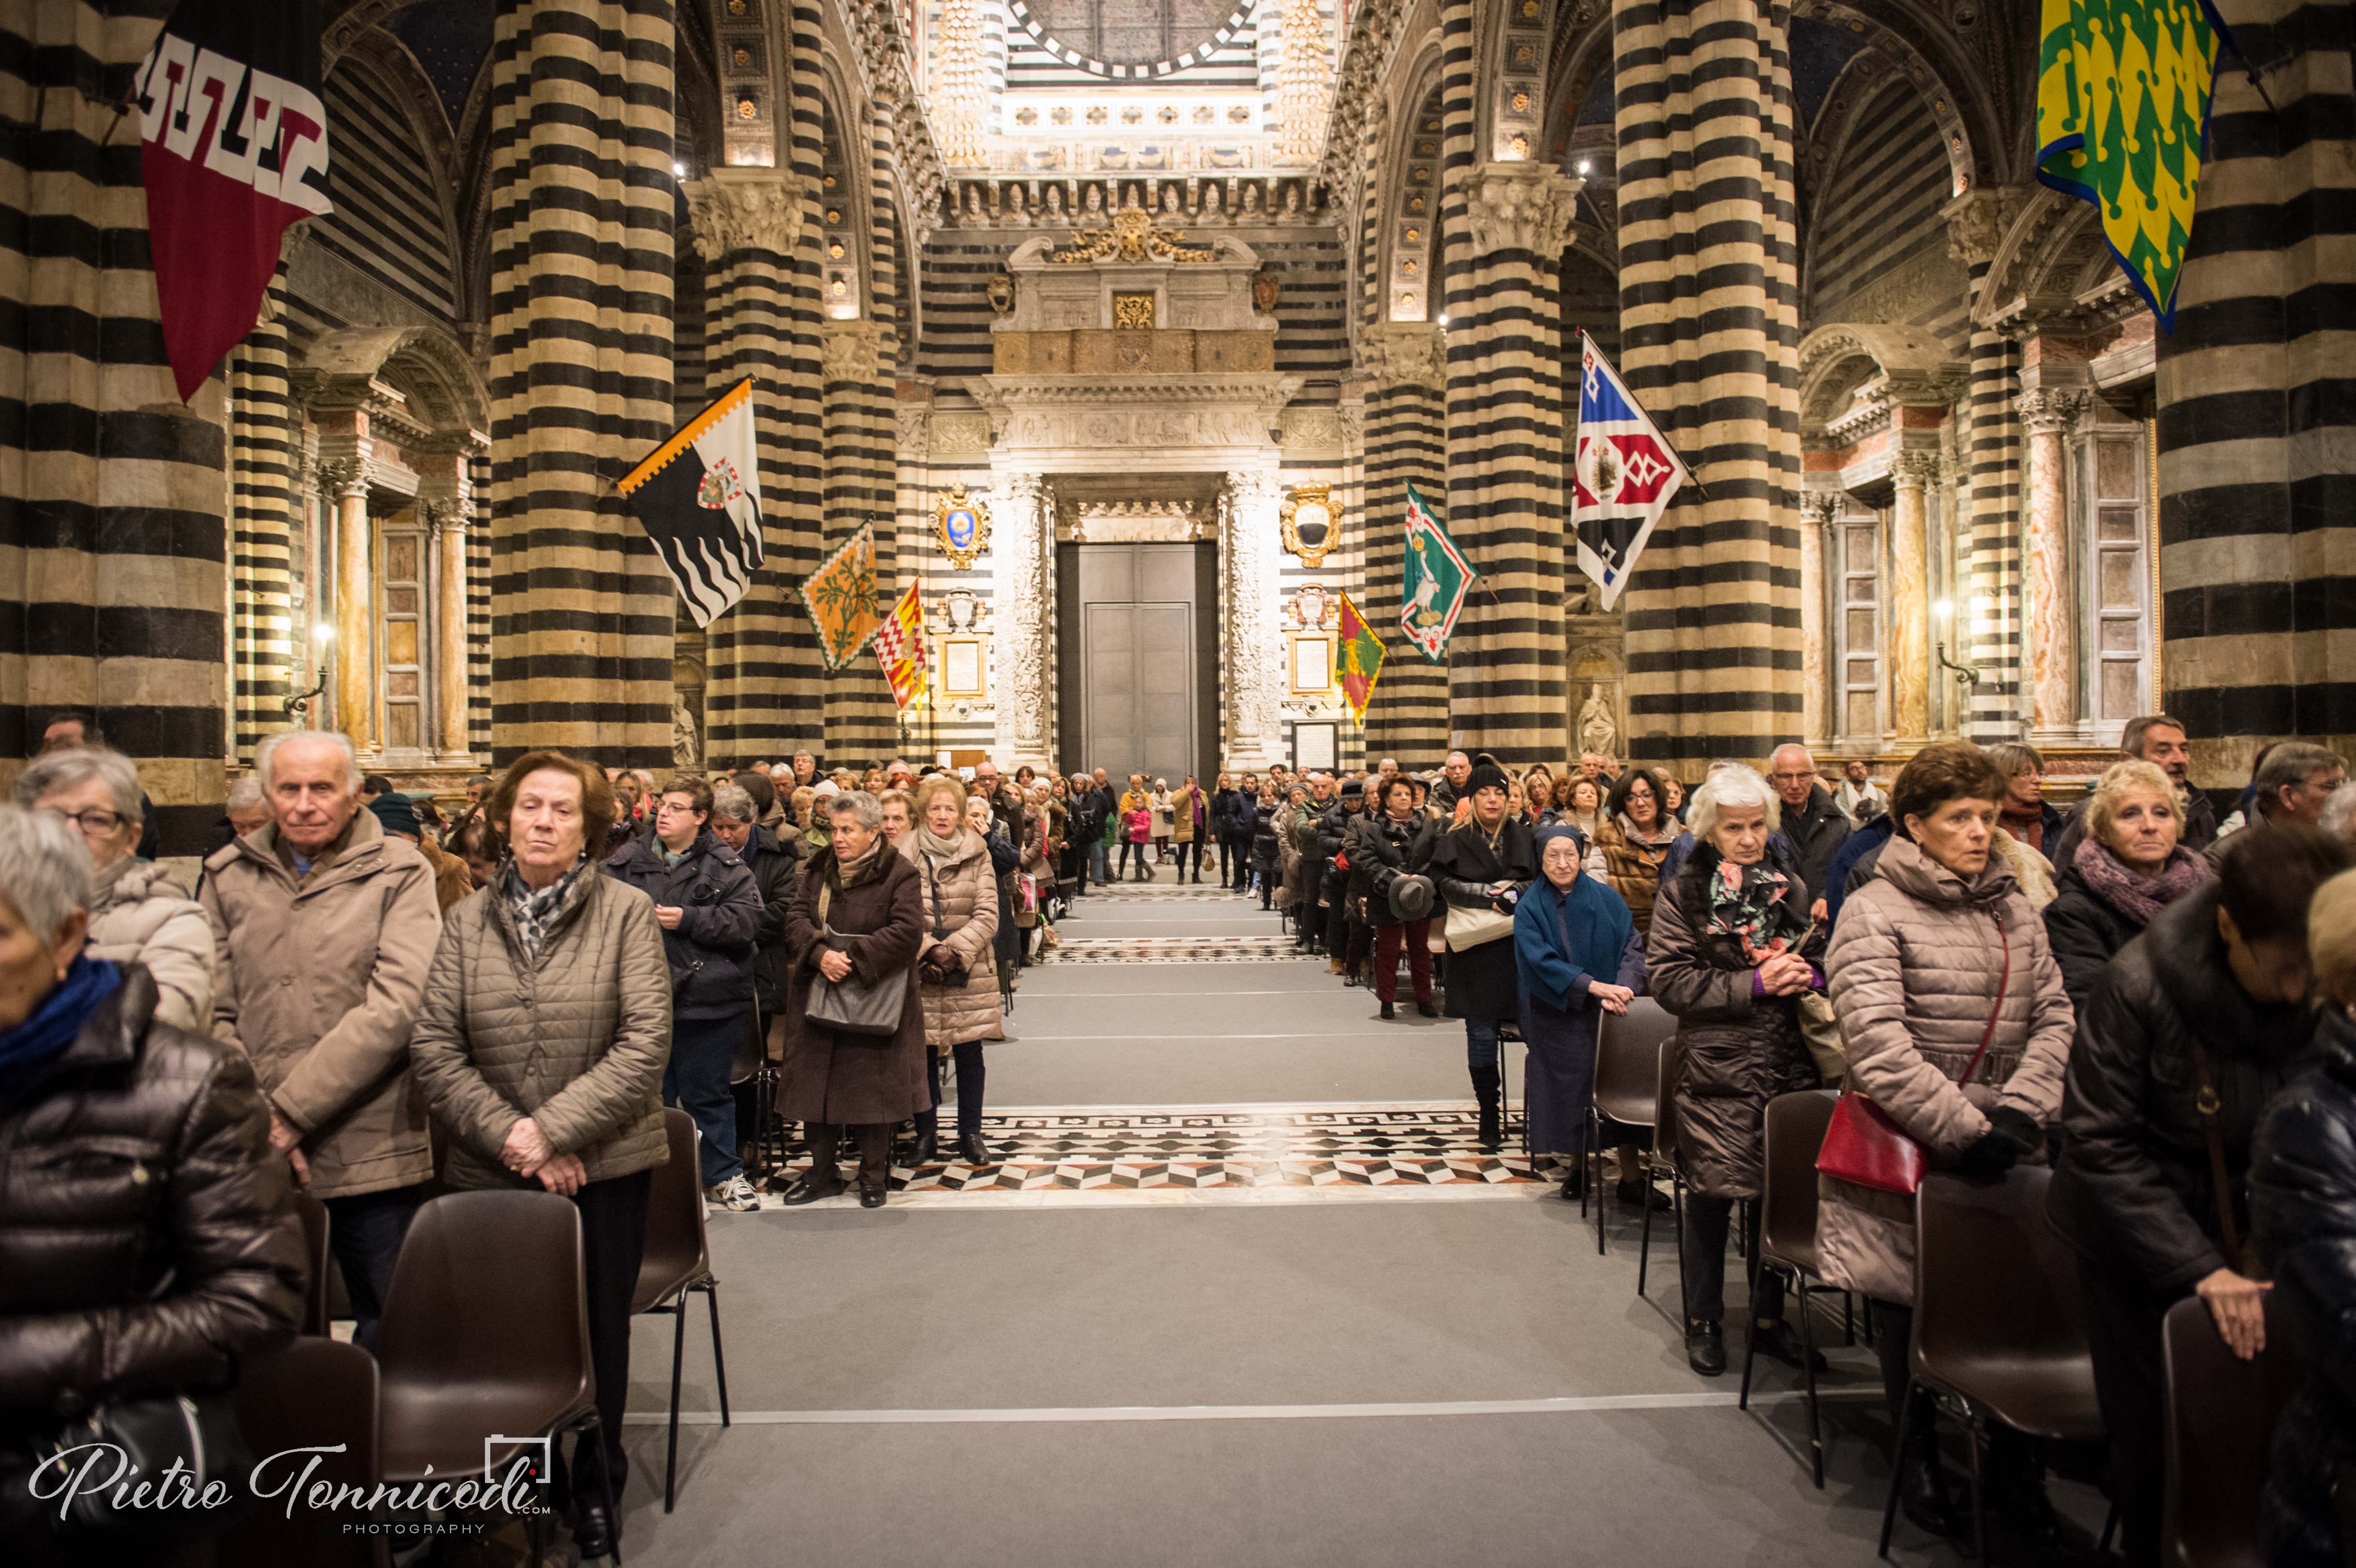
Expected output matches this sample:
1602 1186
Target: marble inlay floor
1168 949
1218 1153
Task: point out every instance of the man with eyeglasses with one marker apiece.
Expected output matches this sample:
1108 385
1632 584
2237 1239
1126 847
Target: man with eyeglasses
1812 824
323 928
74 732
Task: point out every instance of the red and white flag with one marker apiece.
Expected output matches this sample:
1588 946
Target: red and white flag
1623 475
235 148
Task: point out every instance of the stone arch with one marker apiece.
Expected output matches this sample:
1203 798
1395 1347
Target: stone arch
1409 202
1838 360
444 392
2052 254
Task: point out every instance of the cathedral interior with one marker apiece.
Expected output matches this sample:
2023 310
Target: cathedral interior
1171 302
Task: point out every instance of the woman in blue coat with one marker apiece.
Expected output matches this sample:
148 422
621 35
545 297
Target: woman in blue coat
1568 930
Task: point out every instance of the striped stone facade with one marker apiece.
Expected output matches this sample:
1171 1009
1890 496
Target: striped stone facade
582 210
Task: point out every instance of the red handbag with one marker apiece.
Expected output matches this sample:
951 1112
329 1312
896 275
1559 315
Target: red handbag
1864 1146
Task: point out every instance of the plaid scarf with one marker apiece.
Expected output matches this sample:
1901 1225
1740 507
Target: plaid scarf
534 912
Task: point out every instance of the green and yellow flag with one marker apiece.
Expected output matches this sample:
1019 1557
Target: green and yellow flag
2123 89
1361 659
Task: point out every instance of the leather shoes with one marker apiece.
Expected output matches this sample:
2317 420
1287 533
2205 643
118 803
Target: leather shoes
1705 1348
1427 1009
1574 1186
1631 1193
973 1151
1389 1012
925 1151
1776 1341
871 1197
1922 1492
592 1530
810 1185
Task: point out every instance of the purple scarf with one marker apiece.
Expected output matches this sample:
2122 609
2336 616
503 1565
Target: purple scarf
2137 898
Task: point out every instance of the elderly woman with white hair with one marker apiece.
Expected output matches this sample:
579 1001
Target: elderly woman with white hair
1730 955
148 1241
138 913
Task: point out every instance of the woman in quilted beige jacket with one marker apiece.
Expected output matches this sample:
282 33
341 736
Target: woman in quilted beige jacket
961 900
1938 953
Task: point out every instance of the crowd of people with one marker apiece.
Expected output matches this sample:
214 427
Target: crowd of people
369 1002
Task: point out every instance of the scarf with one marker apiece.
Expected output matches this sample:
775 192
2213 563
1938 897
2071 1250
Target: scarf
535 911
2025 823
1753 904
2137 898
53 1025
936 847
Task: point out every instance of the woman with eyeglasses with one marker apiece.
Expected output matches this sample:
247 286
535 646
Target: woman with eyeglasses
138 914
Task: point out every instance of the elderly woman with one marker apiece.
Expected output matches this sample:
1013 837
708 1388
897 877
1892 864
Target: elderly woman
1728 955
858 919
956 974
2125 868
1585 810
148 1241
1955 1021
2211 995
137 913
1632 842
539 1049
899 811
2302 1171
2023 812
1480 867
1569 929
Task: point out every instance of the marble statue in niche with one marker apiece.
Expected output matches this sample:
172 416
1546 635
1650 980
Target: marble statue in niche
973 204
1597 731
1169 207
1054 204
1212 211
685 747
1094 203
1292 201
1017 209
1251 205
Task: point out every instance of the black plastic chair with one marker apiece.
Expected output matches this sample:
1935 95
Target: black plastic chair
1999 1325
1787 1235
1635 1061
677 1264
317 1394
2222 1413
316 1319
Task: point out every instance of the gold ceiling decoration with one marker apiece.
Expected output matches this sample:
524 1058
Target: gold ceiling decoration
1131 238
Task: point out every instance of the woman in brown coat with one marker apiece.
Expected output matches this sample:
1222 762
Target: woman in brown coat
958 977
1631 844
1936 956
859 913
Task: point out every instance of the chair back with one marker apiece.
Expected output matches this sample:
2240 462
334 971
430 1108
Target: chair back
487 1313
1787 1212
750 1058
1998 1318
314 1214
676 1254
2221 1419
1628 1052
314 1393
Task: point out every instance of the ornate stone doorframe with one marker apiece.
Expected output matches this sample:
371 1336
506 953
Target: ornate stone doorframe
1218 422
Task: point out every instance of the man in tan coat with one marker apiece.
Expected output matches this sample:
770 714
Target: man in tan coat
323 928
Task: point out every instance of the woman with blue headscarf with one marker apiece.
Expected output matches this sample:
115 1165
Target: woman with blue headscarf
1569 929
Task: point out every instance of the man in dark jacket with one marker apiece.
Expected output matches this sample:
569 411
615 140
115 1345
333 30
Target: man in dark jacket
774 870
1814 824
2212 999
709 908
1266 852
1333 832
1085 831
2158 739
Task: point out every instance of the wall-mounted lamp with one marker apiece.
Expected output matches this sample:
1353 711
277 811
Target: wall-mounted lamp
322 633
1968 675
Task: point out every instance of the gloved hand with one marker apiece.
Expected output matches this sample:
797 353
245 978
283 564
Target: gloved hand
2020 1126
1990 1156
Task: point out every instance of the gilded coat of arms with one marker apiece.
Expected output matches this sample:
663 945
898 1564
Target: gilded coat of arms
961 522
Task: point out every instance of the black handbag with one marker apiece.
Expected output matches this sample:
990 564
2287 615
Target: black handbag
196 1432
852 1005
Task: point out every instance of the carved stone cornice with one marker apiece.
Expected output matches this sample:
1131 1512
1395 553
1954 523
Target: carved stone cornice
853 350
1522 207
748 209
2049 412
1404 354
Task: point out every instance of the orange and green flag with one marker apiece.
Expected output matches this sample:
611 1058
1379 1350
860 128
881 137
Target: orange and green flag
2123 91
1361 659
840 595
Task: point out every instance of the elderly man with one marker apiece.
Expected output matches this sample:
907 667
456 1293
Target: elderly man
2156 739
477 788
1453 774
805 768
1814 826
2294 783
323 928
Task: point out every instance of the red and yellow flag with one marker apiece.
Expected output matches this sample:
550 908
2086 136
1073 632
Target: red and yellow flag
900 649
1360 658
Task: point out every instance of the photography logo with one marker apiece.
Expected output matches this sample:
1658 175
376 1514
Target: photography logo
499 1450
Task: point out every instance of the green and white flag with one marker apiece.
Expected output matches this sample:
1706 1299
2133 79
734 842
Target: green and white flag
1438 579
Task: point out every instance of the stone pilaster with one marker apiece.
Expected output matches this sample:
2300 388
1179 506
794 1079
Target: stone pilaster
1251 646
1023 548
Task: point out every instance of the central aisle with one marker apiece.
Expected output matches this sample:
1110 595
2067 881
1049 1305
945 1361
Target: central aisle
1256 1297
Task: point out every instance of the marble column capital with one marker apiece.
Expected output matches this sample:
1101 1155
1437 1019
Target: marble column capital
1821 506
341 476
853 350
1404 354
747 209
2049 412
1914 470
1522 207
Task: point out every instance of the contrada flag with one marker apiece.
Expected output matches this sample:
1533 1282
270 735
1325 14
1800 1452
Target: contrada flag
900 649
1361 659
1623 475
842 598
234 148
699 498
1435 582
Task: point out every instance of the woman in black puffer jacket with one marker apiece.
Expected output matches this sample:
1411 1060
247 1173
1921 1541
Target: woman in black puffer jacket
1267 845
2127 867
150 1243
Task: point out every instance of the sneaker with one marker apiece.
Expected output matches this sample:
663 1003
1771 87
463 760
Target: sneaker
735 1193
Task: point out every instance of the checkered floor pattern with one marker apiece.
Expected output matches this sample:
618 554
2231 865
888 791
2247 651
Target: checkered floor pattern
1238 1151
1168 950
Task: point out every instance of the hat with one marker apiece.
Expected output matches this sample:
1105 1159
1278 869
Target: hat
397 815
1411 897
1485 775
1352 789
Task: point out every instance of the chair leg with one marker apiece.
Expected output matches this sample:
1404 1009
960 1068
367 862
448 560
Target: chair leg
1750 1354
2110 1528
711 1289
1595 1143
1644 1257
1849 1318
595 1428
1979 1493
1677 1207
678 1349
1808 1364
1897 1454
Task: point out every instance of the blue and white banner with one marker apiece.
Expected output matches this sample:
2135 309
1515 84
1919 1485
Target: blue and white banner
1623 475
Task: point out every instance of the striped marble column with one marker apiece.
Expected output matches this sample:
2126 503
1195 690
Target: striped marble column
762 661
1710 341
1976 222
1406 445
2258 500
862 721
262 633
582 198
112 569
1505 668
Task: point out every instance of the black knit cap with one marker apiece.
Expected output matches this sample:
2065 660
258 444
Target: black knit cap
1485 775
